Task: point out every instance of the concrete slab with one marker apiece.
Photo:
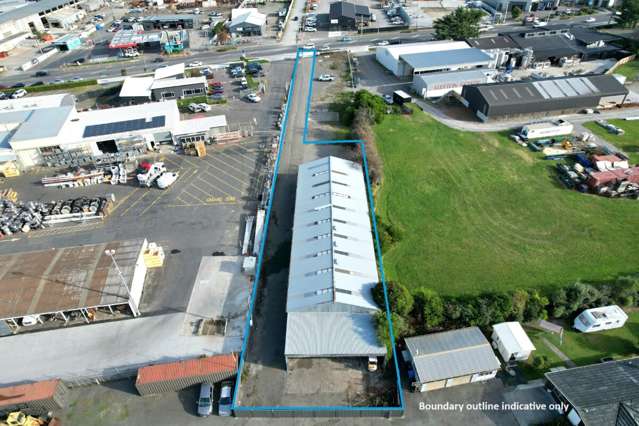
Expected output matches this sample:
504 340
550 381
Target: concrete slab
220 291
527 394
104 350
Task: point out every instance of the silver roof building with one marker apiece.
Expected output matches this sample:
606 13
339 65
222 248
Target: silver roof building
333 266
450 354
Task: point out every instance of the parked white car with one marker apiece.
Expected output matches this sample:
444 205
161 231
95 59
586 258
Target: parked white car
326 77
204 107
195 64
20 93
253 98
310 29
166 180
193 107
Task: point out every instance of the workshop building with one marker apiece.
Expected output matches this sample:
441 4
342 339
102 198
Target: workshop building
556 95
247 22
500 48
164 22
144 89
450 358
65 18
435 85
333 268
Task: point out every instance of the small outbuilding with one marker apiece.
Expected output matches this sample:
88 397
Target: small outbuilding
348 15
450 358
598 319
512 342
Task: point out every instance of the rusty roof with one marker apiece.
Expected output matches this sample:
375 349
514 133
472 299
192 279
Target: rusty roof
20 394
63 279
191 368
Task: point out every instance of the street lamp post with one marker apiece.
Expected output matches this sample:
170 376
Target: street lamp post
132 303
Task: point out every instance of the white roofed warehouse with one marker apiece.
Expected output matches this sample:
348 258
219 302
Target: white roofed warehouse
333 266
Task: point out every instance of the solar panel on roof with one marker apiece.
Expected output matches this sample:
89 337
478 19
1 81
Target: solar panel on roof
565 87
123 126
588 83
579 86
552 89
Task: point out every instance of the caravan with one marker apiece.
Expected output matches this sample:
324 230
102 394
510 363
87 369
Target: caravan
603 318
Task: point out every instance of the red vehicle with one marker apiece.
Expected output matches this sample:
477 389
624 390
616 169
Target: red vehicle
217 84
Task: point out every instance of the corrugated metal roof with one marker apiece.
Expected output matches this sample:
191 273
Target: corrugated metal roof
169 71
332 255
398 50
189 368
43 123
21 394
495 42
313 334
450 354
33 8
177 82
445 58
596 391
136 87
454 76
69 278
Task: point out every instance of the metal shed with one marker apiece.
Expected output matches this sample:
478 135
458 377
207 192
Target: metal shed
173 376
35 398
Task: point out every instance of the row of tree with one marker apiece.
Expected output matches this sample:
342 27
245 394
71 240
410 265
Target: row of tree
427 311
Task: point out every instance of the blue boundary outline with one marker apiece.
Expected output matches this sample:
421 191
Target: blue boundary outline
263 243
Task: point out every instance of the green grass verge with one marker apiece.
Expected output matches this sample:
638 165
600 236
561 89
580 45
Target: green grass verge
630 70
527 368
628 142
51 87
183 104
252 82
479 213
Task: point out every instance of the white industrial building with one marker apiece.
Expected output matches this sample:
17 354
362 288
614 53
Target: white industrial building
512 342
65 18
93 133
333 267
602 318
415 58
247 21
435 85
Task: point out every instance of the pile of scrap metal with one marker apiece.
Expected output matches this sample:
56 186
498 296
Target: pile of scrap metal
608 174
27 216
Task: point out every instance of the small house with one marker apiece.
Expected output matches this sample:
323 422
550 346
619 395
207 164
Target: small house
603 318
450 358
512 342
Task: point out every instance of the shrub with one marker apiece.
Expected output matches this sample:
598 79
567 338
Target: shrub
540 362
399 298
429 308
400 329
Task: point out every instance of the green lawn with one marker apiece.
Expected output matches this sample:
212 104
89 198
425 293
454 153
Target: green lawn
628 142
588 348
630 70
480 213
541 349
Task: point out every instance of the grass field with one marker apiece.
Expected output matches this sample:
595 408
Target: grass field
480 213
628 142
630 70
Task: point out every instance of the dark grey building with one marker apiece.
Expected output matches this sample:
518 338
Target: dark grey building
161 22
347 15
599 394
554 42
559 95
178 88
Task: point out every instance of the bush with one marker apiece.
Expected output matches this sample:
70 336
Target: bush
540 362
399 298
400 329
389 234
516 12
50 87
429 308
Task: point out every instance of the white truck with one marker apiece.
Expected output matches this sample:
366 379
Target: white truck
546 129
151 175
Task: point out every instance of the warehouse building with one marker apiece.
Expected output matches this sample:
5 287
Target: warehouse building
163 22
65 18
19 22
396 58
92 133
247 22
600 394
38 398
348 16
333 267
559 95
64 282
450 358
435 85
126 39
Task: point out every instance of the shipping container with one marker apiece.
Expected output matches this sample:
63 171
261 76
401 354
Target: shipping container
37 398
174 376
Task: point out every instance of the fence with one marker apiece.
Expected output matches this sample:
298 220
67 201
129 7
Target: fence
621 62
318 412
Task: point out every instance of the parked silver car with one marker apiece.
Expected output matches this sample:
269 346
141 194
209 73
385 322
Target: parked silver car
204 402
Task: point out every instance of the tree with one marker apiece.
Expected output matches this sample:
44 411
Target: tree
629 14
461 24
399 298
221 32
400 329
535 307
430 308
515 12
519 301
